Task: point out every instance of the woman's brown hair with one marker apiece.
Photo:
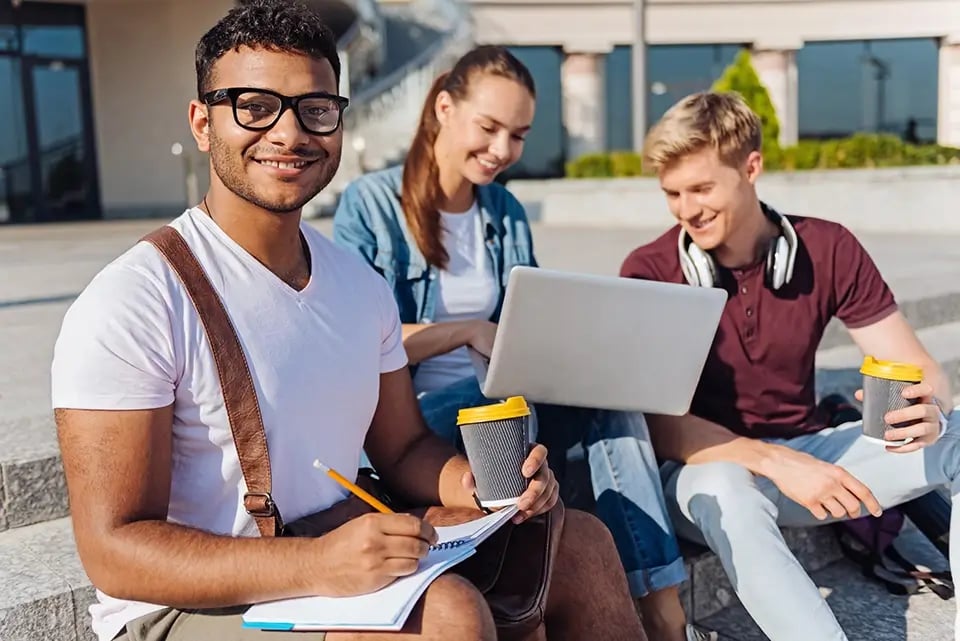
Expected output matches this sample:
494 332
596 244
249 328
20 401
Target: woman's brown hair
421 196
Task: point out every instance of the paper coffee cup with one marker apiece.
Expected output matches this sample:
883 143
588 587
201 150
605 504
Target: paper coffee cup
883 385
496 439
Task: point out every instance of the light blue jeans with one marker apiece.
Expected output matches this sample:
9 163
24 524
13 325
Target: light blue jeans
739 516
623 471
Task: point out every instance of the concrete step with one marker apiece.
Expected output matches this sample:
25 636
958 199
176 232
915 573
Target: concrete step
32 487
924 304
44 592
838 367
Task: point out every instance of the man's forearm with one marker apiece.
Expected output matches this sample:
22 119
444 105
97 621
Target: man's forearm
430 473
693 440
176 566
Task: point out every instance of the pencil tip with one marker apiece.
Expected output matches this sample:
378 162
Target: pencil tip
320 466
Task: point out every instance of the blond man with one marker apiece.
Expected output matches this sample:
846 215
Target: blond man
753 454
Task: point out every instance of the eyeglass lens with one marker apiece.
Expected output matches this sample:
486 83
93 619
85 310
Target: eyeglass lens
254 109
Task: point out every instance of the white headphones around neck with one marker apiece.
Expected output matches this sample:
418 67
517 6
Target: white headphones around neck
701 270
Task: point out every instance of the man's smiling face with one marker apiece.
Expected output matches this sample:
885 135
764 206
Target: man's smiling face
284 167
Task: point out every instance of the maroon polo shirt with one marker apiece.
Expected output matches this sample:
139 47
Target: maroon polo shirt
758 379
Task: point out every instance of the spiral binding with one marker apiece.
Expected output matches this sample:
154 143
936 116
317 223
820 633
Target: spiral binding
449 545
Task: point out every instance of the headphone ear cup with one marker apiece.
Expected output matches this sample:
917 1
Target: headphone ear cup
704 265
770 261
777 259
688 269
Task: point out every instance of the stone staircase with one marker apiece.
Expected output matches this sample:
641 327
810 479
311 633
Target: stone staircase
428 36
45 593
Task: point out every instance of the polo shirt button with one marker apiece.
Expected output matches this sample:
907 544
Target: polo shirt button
749 312
743 290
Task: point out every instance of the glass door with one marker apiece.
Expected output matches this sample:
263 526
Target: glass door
64 169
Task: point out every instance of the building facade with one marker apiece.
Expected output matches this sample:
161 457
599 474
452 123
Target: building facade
832 67
93 103
94 93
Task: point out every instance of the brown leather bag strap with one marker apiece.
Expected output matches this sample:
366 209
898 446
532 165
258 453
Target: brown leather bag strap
239 394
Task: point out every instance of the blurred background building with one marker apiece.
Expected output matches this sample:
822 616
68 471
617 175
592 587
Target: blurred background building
93 93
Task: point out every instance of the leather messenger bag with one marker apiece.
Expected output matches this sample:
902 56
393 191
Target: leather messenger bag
512 569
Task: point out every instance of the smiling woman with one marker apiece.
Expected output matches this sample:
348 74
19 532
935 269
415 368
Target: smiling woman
472 127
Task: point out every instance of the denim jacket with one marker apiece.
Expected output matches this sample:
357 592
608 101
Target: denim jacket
370 221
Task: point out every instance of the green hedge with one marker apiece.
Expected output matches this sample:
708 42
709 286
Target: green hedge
857 151
741 78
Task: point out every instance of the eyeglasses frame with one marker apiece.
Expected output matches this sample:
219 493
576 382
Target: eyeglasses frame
286 102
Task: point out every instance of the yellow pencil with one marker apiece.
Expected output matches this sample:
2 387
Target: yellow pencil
354 489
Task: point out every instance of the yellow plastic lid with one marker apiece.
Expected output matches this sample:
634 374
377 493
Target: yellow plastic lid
891 370
513 407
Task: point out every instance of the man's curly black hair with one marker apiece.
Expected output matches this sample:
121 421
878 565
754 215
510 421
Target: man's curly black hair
275 25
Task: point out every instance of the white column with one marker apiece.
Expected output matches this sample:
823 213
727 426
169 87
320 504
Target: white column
584 107
777 69
948 111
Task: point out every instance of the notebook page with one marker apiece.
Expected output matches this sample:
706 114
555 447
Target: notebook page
386 609
477 530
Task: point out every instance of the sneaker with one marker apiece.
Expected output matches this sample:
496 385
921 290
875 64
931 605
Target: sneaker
697 634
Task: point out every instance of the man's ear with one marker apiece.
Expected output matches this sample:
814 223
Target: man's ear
199 115
754 166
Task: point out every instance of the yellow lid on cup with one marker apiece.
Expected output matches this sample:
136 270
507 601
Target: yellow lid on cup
513 407
891 370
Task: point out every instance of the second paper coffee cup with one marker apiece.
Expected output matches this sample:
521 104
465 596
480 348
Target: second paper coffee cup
497 441
883 385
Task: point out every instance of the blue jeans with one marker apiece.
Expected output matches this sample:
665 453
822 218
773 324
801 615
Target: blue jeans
623 471
739 515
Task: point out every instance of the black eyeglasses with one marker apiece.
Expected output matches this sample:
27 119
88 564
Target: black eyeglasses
255 109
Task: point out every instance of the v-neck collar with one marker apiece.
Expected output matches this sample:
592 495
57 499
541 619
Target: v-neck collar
208 222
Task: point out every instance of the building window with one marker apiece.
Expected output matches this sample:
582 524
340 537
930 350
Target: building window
544 150
673 71
879 86
60 41
47 160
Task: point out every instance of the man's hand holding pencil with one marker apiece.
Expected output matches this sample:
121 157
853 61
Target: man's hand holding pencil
371 551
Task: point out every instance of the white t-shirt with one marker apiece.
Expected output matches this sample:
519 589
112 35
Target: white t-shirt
467 290
133 340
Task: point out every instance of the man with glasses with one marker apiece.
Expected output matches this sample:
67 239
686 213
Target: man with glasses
165 521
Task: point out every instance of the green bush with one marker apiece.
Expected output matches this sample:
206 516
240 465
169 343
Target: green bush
740 77
857 151
625 164
597 165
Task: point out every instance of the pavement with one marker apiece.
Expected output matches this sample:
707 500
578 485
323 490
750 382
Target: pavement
45 266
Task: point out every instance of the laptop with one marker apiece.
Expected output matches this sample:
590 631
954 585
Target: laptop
600 341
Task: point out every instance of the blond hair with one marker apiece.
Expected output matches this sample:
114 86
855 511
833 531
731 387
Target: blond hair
720 121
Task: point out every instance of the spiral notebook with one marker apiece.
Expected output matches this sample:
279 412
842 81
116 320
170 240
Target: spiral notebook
388 608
